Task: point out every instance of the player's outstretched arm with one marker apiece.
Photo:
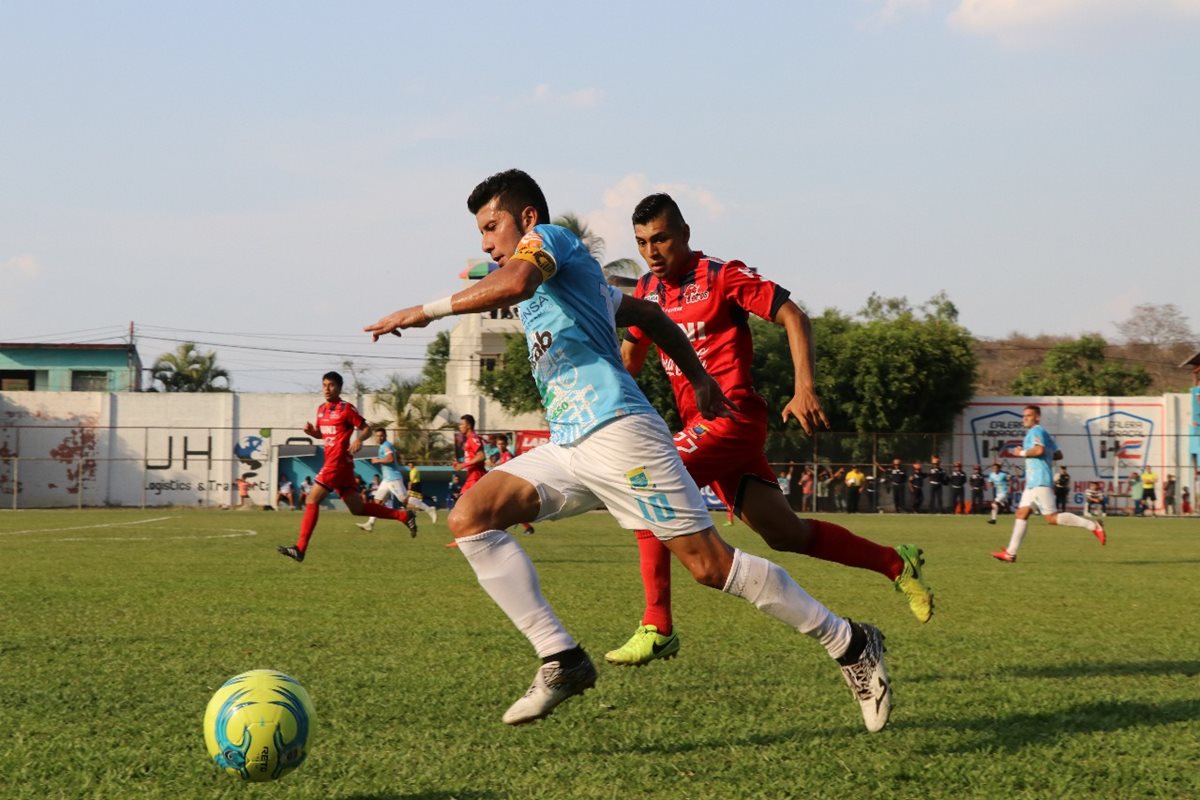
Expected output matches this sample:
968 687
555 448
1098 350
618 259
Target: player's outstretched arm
515 281
805 406
711 401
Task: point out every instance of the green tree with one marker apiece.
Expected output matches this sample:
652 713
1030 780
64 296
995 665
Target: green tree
415 418
622 271
1079 367
437 355
511 383
189 370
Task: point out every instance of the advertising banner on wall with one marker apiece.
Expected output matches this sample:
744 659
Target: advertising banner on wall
1102 439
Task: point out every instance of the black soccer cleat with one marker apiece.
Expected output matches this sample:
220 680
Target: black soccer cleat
291 552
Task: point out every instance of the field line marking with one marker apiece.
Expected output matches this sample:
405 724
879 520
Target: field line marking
234 533
87 527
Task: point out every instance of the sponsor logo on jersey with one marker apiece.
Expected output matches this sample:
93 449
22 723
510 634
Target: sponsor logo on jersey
638 478
699 430
652 297
693 294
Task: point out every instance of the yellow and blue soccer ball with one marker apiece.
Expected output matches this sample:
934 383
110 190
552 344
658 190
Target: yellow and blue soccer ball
258 725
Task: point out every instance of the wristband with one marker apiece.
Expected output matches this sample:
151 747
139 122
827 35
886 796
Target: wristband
436 309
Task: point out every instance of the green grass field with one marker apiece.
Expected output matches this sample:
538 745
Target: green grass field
1070 674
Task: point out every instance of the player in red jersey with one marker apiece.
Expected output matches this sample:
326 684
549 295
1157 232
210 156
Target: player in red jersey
503 456
337 424
474 457
711 300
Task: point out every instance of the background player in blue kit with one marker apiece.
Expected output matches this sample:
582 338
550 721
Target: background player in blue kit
1040 452
998 479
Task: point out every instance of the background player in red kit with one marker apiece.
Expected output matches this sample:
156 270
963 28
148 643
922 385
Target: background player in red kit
473 455
474 458
337 422
711 301
503 457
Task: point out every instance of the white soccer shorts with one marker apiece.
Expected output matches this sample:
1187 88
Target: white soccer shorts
1041 498
394 488
629 466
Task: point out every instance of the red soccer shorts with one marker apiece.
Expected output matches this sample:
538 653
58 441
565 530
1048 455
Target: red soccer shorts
722 452
338 478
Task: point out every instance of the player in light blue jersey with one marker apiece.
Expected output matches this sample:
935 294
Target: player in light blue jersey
391 481
999 479
1040 452
608 448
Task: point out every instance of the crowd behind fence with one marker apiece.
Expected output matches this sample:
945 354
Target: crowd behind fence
68 466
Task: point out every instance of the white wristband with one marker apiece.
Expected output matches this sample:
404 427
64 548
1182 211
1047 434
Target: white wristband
436 309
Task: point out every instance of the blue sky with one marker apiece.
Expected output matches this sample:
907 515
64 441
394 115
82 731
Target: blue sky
269 177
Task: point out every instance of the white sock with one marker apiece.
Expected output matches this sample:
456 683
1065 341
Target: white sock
420 505
772 590
1076 521
1018 534
994 511
508 576
370 522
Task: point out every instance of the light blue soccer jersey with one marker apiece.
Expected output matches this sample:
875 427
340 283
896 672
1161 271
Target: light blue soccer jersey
389 472
1039 471
999 482
571 333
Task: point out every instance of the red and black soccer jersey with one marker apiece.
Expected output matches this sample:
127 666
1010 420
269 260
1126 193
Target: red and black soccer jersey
712 304
472 446
336 421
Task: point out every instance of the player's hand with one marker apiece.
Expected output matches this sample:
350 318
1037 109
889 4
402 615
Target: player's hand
806 408
311 430
411 317
355 444
710 400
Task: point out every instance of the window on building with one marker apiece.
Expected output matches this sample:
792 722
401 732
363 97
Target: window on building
16 380
488 363
86 380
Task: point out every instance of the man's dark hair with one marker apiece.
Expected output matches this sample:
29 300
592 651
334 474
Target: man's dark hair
515 190
1035 409
656 205
335 377
470 420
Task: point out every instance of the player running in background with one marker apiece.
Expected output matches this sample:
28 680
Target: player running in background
338 422
391 480
1040 452
503 456
607 447
710 300
998 479
474 461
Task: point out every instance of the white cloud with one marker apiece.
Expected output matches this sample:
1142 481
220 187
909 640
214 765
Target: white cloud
22 266
612 220
579 98
893 9
1021 20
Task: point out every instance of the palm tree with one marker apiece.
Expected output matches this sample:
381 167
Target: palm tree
622 272
416 419
189 370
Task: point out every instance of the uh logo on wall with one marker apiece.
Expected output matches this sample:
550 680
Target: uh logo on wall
1119 442
997 436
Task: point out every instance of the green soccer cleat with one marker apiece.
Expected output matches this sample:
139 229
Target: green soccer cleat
643 647
920 596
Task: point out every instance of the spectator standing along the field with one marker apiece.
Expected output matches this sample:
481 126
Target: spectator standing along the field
916 487
937 479
1136 490
1062 488
855 480
1040 452
898 478
1149 491
978 482
1169 495
958 491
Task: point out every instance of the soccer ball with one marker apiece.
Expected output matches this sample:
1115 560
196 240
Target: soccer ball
257 726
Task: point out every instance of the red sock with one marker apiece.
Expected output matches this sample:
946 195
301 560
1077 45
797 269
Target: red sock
831 542
656 581
372 509
307 525
526 526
